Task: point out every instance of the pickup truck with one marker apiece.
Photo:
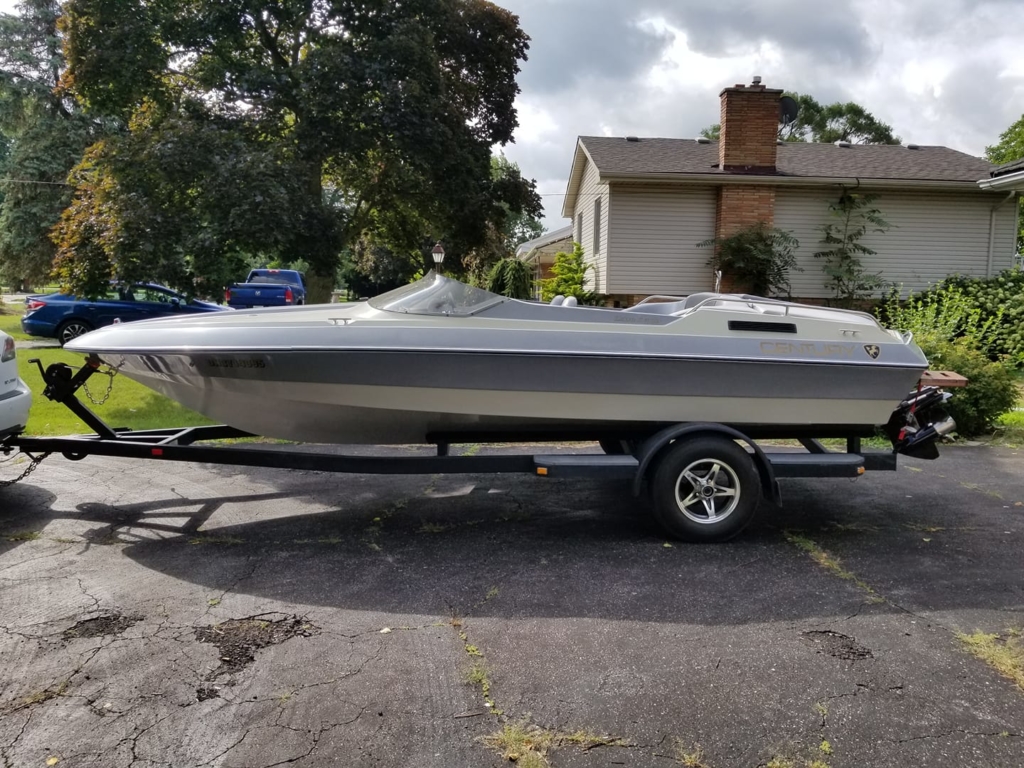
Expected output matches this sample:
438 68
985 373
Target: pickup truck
267 288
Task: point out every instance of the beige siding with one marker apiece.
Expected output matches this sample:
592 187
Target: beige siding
654 236
592 189
934 234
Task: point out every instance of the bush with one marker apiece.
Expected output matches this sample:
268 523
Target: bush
991 390
998 303
512 278
947 315
569 276
955 333
758 257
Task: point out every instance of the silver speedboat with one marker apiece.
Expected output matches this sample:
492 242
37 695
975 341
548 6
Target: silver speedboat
441 357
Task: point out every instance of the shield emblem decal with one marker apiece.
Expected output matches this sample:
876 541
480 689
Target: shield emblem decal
873 350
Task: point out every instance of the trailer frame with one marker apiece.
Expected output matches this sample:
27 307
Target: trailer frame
199 445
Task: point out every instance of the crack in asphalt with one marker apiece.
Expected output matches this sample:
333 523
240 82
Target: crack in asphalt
953 731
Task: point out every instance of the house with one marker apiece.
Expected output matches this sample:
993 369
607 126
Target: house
540 252
640 206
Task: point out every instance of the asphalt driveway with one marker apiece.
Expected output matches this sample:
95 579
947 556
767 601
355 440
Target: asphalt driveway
156 614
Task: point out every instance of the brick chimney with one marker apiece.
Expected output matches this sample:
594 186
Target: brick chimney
747 145
750 124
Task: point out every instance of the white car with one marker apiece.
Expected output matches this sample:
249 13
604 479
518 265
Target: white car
15 397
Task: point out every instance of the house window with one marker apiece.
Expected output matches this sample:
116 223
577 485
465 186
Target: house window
579 228
597 226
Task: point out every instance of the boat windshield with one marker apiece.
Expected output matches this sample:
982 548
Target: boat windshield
435 294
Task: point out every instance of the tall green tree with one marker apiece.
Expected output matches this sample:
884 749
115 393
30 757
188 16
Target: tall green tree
839 121
1010 147
382 114
854 215
46 134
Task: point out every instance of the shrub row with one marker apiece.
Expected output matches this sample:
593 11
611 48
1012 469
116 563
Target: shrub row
972 326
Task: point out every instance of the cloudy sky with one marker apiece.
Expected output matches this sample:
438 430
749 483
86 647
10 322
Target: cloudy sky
945 72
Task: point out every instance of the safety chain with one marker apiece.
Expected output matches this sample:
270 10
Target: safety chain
111 373
36 461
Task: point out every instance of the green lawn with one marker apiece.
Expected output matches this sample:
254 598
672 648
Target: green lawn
10 322
130 404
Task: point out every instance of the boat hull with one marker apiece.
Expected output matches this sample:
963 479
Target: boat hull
339 396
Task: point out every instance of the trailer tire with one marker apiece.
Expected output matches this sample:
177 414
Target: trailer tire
704 489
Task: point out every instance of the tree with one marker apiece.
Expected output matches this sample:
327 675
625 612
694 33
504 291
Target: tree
854 215
383 114
511 277
46 135
839 121
713 132
1010 147
758 257
188 200
827 124
569 277
522 204
372 268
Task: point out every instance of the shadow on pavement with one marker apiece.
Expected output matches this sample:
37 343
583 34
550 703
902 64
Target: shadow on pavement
20 520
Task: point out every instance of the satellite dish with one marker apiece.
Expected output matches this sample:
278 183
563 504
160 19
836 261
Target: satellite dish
788 110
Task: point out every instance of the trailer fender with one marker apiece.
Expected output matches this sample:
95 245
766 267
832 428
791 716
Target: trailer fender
653 445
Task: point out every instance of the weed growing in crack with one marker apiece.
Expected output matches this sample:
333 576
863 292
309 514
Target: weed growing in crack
376 527
518 738
22 536
527 744
690 757
1004 653
38 698
822 711
830 563
825 747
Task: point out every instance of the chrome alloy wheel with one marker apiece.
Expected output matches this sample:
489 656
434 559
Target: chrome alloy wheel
707 491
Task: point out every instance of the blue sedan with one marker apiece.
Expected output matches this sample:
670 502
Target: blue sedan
62 317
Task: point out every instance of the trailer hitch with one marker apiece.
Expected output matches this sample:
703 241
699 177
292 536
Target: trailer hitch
62 384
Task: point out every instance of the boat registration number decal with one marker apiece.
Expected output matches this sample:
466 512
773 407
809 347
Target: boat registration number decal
236 363
807 349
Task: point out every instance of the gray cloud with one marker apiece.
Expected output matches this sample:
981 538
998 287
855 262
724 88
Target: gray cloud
828 31
576 40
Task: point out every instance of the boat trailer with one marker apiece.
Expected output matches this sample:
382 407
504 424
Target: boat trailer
705 479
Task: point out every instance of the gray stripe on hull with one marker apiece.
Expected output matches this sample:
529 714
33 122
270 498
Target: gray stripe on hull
381 414
541 373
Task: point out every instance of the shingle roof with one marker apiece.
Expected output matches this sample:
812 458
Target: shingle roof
614 155
1011 167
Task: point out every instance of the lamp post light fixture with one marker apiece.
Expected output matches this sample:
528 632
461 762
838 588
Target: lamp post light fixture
438 254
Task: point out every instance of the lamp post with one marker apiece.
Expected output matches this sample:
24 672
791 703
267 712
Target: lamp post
438 254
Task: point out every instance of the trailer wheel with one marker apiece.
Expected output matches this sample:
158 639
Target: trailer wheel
705 489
